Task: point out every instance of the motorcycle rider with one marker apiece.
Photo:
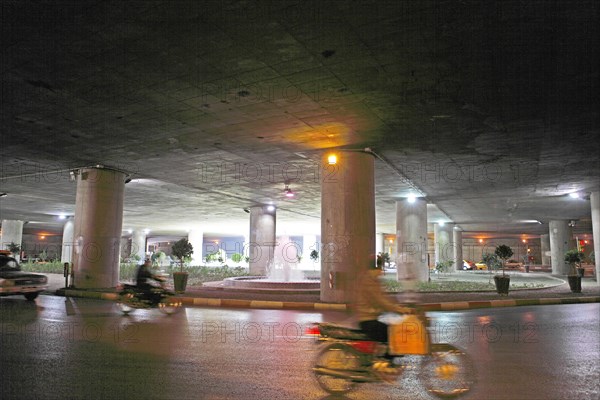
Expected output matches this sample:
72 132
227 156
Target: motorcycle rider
143 279
370 304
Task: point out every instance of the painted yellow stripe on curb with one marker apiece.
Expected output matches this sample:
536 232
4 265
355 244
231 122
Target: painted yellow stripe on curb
266 304
589 299
550 301
109 296
329 306
207 302
503 303
455 305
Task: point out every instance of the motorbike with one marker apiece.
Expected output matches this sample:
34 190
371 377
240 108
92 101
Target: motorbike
130 297
348 358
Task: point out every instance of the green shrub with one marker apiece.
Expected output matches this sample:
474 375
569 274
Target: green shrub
53 267
444 266
492 261
128 271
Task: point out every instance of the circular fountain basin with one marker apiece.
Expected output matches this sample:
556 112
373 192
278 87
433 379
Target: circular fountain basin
262 282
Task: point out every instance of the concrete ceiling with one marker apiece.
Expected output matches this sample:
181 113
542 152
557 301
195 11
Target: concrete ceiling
490 109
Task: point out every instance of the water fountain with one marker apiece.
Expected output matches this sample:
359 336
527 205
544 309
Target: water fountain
282 274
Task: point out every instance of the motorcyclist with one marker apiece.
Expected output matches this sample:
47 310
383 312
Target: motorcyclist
370 304
144 278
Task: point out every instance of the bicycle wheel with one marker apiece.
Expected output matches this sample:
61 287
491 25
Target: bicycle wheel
169 306
447 372
123 306
341 358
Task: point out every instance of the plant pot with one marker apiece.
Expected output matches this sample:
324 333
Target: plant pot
526 268
180 281
574 283
502 284
580 272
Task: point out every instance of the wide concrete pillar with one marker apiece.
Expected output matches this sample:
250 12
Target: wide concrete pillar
411 240
196 239
12 232
66 254
595 204
443 237
261 248
458 253
347 224
98 224
545 249
560 241
138 244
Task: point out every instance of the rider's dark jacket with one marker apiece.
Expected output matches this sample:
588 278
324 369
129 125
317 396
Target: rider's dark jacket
143 277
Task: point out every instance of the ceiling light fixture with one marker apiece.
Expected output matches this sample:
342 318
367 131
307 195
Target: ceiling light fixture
411 198
574 195
271 208
332 159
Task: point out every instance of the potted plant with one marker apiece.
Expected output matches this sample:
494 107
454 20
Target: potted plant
503 252
14 248
574 257
181 249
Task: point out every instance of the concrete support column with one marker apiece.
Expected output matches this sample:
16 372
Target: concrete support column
411 240
347 224
458 253
196 239
12 232
138 244
545 249
560 238
262 238
66 254
380 243
444 243
595 204
98 224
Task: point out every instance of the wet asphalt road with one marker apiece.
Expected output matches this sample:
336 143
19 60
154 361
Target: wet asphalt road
56 348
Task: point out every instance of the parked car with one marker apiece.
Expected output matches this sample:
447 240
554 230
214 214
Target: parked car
513 264
480 266
468 265
13 281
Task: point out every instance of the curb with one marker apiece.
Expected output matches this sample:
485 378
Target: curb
471 305
290 305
